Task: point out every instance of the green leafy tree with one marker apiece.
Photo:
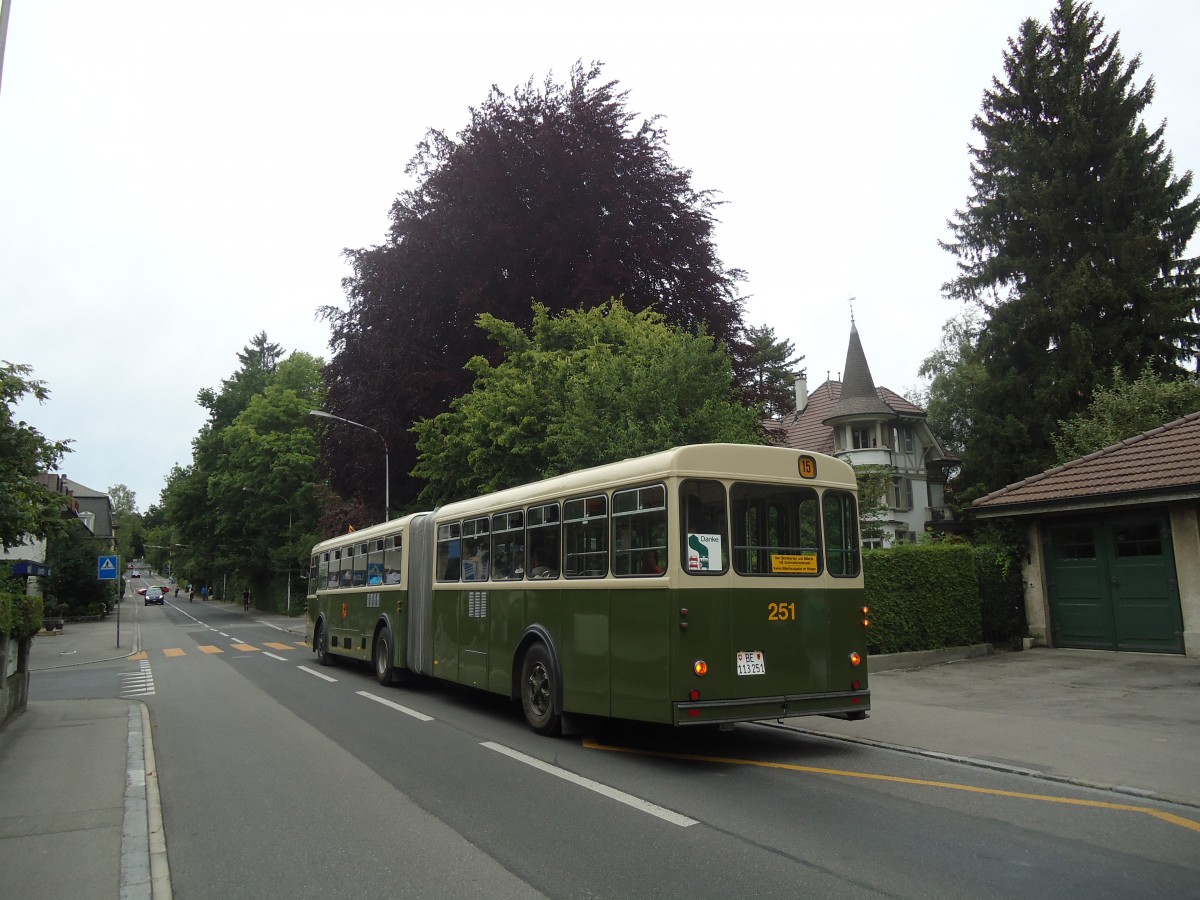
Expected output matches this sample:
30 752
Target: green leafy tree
128 523
551 193
1125 409
27 506
260 361
246 505
955 375
768 370
72 586
1072 244
874 482
580 389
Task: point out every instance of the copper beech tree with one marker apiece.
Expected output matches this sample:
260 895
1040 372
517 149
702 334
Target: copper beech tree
552 193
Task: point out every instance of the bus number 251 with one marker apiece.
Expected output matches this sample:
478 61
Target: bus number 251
781 612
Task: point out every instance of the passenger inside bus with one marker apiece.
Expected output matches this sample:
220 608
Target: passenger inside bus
650 564
536 569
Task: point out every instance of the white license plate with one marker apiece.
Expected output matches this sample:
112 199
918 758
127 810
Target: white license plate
751 662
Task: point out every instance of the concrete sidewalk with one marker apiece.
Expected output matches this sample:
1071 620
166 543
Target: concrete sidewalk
79 809
1128 722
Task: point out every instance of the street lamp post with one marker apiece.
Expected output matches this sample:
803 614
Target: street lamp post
387 505
288 503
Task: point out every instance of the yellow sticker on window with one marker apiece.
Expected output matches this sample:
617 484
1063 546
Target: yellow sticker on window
794 563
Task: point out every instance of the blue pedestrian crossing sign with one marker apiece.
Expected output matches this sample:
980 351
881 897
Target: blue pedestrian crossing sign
106 568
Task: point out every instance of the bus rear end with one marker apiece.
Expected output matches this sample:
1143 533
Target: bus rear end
770 620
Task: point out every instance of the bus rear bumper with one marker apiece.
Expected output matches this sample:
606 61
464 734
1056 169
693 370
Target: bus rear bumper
757 709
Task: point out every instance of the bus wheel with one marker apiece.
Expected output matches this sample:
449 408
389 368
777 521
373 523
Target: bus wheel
384 670
537 690
324 657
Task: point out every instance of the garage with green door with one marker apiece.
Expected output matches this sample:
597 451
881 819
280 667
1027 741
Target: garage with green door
1111 584
1112 544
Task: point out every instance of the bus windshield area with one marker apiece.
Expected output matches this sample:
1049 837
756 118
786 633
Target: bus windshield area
776 529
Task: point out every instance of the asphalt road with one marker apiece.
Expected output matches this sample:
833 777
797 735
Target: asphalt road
282 778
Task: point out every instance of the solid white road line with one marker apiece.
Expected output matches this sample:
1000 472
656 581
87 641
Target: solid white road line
396 706
612 793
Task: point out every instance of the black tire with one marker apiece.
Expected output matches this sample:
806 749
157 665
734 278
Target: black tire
324 657
385 671
538 690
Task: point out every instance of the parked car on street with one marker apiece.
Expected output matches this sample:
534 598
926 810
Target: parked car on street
154 595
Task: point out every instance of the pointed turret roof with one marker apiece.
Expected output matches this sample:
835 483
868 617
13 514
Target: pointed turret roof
859 397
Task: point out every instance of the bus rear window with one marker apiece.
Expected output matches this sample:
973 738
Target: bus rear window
841 534
775 530
705 530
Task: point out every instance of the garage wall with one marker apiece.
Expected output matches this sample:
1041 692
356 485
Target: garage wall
1033 576
1185 528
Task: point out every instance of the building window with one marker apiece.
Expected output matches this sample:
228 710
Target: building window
904 438
902 493
862 437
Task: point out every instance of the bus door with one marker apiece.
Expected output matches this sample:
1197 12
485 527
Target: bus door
473 613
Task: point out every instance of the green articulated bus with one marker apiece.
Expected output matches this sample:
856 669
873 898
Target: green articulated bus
708 584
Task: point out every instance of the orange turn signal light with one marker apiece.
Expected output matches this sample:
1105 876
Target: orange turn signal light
700 667
855 659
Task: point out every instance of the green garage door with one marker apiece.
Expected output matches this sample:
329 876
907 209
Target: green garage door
1112 585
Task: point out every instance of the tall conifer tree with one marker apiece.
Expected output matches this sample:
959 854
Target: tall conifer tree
1073 242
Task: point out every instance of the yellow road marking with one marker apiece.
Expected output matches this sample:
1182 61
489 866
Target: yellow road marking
141 655
209 648
301 643
244 647
896 779
277 646
174 651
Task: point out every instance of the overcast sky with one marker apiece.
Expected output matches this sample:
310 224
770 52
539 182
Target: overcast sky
177 177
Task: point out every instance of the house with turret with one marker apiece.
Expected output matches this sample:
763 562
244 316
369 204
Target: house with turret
865 425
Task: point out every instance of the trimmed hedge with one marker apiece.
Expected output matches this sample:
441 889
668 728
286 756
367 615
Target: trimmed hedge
922 597
20 615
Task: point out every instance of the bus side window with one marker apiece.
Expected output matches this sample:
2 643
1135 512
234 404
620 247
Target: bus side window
375 562
639 523
508 545
475 549
545 539
360 564
449 550
585 537
392 546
